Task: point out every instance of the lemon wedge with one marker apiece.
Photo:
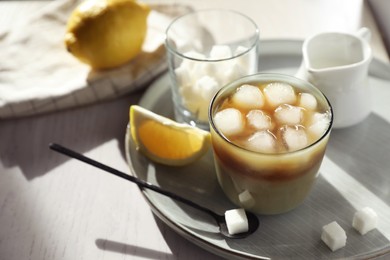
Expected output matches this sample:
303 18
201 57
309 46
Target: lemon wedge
107 33
165 141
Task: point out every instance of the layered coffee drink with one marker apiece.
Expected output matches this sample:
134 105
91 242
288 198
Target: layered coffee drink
269 135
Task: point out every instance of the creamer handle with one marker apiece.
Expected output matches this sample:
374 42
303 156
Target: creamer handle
364 33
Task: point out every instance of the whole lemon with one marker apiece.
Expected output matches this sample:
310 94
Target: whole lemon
107 33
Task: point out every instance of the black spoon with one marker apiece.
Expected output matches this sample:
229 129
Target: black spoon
253 222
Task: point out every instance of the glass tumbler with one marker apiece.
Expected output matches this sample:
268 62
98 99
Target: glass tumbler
269 182
207 49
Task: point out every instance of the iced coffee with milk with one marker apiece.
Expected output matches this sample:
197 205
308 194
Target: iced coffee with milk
269 135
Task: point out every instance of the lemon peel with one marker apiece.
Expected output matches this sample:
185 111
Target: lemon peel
107 33
165 141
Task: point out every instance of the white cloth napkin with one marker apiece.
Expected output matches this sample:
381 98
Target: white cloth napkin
38 75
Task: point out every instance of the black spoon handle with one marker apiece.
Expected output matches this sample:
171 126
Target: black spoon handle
139 182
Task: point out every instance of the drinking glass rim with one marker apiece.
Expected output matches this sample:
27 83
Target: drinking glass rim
174 50
283 78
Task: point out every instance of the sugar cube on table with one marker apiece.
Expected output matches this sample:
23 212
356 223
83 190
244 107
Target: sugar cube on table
334 236
229 121
365 220
248 96
236 221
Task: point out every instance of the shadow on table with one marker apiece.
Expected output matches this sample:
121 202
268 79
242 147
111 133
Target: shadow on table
186 250
180 248
126 249
81 129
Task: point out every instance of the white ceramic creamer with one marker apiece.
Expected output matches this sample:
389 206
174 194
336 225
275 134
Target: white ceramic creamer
337 63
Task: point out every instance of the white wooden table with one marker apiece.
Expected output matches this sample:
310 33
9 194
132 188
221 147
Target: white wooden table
52 207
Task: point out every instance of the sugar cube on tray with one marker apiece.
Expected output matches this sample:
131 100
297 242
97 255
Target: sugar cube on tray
334 236
365 220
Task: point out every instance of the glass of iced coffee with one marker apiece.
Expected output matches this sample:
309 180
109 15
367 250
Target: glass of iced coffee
269 134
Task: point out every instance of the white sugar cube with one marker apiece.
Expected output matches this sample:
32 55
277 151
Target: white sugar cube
186 92
289 115
365 220
278 93
319 124
261 141
334 236
206 86
182 76
193 101
246 199
236 221
201 69
259 120
243 60
195 55
229 121
219 52
190 99
294 137
204 89
240 50
307 101
190 64
246 60
230 73
248 96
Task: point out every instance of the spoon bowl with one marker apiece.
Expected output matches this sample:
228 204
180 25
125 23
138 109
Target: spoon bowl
253 222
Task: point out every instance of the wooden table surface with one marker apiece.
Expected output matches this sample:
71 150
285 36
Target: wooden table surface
52 207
